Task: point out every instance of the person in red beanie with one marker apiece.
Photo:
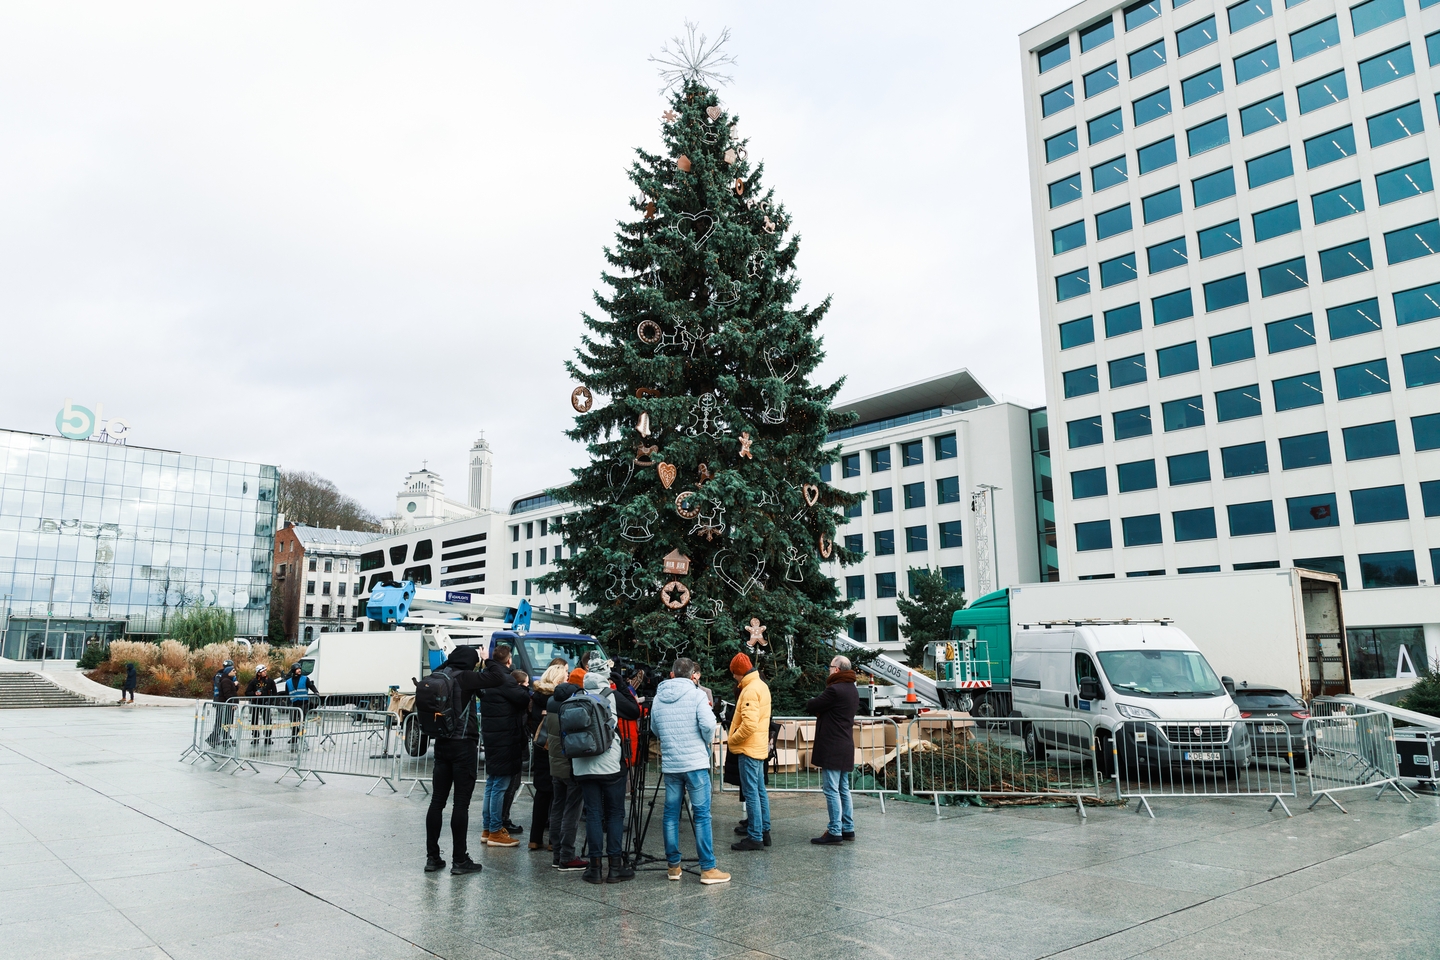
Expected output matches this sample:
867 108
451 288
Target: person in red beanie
750 741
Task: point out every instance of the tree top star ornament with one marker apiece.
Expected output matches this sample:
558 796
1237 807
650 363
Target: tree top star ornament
693 59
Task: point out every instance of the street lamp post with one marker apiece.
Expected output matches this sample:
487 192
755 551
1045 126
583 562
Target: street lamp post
49 613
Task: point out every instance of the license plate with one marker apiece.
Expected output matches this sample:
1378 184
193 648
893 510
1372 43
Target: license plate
1201 756
1272 728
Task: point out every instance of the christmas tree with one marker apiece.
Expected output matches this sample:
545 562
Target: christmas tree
701 520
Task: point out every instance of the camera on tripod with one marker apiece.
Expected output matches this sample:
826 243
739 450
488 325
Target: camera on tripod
644 678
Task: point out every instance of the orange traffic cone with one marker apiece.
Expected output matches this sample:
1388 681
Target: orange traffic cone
910 689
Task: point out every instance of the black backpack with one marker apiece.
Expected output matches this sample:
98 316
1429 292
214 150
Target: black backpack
440 706
585 727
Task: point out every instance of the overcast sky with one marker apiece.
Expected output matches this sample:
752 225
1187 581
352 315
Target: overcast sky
348 237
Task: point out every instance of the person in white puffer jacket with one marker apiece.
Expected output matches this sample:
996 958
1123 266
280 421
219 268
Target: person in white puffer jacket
684 721
602 781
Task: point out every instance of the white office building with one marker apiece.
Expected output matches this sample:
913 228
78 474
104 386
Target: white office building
1236 234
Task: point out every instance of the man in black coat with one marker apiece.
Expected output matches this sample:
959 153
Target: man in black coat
223 689
502 713
456 765
834 750
263 692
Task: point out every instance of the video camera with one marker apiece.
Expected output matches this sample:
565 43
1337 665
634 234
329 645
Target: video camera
644 678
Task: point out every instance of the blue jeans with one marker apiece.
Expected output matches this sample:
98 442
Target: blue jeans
836 786
493 813
757 801
697 784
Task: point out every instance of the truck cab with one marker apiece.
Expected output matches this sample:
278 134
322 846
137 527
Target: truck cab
533 651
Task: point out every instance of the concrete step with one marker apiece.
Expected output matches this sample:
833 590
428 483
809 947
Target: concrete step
29 690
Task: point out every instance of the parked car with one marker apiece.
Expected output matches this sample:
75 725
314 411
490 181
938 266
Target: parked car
1278 713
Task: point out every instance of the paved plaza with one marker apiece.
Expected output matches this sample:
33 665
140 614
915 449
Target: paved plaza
111 848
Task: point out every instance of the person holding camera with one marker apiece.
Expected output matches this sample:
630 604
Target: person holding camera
683 719
602 779
750 741
834 750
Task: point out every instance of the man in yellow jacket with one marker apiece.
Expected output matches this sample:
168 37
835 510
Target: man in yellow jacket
750 741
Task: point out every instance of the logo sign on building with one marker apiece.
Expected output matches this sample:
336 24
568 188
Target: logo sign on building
75 422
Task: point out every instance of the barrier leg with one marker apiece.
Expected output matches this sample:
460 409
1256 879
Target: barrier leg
1080 807
1146 804
1325 795
1280 800
937 806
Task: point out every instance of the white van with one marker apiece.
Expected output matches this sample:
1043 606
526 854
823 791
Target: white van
1108 673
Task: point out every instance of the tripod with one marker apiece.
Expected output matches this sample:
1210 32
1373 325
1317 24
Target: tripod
637 821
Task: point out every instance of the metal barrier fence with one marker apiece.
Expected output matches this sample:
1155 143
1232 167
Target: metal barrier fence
788 769
210 732
1020 759
347 742
1352 750
1204 758
271 735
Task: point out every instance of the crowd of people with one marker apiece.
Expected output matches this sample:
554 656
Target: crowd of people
581 729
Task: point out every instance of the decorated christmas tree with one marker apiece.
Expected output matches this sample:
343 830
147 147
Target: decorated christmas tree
702 520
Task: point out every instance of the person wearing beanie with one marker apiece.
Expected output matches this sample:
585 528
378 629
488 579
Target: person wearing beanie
602 779
566 799
457 762
750 741
577 677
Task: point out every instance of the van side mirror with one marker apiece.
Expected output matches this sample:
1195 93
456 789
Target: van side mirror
1090 689
1229 684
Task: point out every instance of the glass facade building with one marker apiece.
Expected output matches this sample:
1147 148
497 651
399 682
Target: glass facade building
100 540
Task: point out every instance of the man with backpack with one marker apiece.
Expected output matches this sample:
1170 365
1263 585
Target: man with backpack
445 708
502 726
589 737
566 801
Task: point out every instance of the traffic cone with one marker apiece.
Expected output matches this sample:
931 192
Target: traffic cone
910 688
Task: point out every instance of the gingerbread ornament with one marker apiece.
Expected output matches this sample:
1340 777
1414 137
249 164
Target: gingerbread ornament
668 472
745 442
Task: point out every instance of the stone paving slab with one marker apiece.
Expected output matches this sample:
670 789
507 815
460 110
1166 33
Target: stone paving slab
111 848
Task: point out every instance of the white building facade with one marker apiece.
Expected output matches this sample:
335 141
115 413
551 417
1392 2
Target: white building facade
1236 233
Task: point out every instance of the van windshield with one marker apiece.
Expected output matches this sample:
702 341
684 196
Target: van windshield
539 651
1161 673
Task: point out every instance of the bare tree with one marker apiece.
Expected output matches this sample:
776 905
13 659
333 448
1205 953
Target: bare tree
310 499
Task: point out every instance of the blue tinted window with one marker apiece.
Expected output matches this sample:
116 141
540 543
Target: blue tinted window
884 587
945 446
1245 14
1092 37
1065 191
1105 126
1202 86
1226 292
1188 468
1362 379
914 493
854 586
1098 81
1309 513
1068 237
1306 450
1339 202
1167 255
1394 125
1214 186
1411 243
1116 271
1365 17
1219 239
1127 370
1277 221
1094 535
1283 277
1379 504
1054 55
950 534
884 543
1139 531
1421 303
1136 475
1353 319
1294 392
1151 107
1108 174
1248 519
882 500
1076 283
1159 206
1232 347
1291 333
1159 154
1371 440
1329 147
1395 569
1432 48
1244 460
1082 381
1172 307
1088 483
1145 59
1061 145
1257 63
1426 431
1237 403
1269 167
1057 99
1194 524
1122 320
1142 12
1183 414
880 460
1430 497
850 465
947 490
1322 92
1084 432
1132 423
1181 358
1208 136
1314 38
1076 332
1404 182
1345 260
1112 222
1386 67
1195 36
1266 113
1335 565
1421 369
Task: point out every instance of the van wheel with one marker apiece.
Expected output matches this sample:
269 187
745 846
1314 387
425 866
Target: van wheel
1034 747
416 743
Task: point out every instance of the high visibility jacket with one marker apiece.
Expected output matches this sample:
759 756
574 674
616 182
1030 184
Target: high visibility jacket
298 688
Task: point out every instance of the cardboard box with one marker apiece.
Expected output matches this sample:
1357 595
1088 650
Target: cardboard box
873 739
943 721
793 745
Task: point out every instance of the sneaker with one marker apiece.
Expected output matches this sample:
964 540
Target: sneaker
674 873
514 829
742 829
534 847
714 875
826 839
573 864
465 866
484 837
747 844
500 838
433 864
848 835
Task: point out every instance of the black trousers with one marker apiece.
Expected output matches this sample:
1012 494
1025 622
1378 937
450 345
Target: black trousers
605 815
544 794
456 765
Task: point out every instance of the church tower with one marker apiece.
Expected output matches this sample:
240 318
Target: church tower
481 464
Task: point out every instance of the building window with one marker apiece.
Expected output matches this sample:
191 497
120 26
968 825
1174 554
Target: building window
1269 168
1430 497
1379 504
556 554
1156 155
1213 187
1151 107
1371 440
1162 205
857 629
1313 512
882 500
1395 569
1226 292
1164 256
1220 239
1061 145
1092 37
1207 136
1147 58
397 554
880 460
855 587
1183 414
917 539
515 534
1195 36
1065 191
1132 423
1405 182
1117 270
954 577
1294 392
1336 203
514 587
1314 38
912 452
1088 483
1113 222
1202 86
1262 115
529 558
1330 147
1305 450
1094 535
325 589
945 447
855 543
1125 371
850 465
1248 519
1283 277
1346 260
1194 524
1136 475
1068 237
1188 468
1105 175
853 510
1362 379
1074 333
1102 79
1142 12
1257 63
1335 565
1411 243
1084 432
530 530
884 543
1238 403
1181 358
340 589
309 610
1426 431
1246 14
889 627
1257 565
1122 320
950 534
1290 334
1365 17
312 565
1386 67
1054 55
345 564
1353 319
329 565
514 561
914 494
884 585
947 490
310 586
1421 368
528 585
542 556
1244 460
1232 347
1141 531
1276 222
1171 307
